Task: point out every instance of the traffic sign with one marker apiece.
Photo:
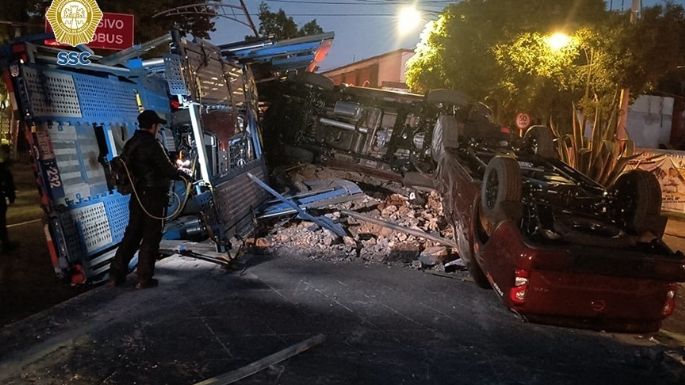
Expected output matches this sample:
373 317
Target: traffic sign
522 120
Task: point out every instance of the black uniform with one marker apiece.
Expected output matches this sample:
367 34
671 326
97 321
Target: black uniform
7 192
152 172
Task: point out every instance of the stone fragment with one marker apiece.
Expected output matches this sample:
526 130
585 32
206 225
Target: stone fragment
433 255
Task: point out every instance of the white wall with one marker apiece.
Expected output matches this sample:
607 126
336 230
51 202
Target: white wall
405 56
650 119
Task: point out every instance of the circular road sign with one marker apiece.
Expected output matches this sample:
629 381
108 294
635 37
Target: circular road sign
522 120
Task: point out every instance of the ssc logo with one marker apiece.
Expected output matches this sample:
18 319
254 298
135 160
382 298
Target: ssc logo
74 21
72 58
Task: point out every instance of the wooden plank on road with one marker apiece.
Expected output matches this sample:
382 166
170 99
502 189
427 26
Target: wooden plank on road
245 371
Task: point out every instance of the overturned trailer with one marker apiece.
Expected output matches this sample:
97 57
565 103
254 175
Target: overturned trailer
76 118
383 133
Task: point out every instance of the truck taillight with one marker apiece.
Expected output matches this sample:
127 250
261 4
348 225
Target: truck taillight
19 51
669 304
517 294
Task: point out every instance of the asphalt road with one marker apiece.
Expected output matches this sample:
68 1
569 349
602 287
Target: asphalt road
383 325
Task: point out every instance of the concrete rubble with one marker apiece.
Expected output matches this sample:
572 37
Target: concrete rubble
367 242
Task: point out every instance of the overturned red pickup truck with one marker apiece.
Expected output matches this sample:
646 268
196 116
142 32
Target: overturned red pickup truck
553 244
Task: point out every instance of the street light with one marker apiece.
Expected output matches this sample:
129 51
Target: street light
408 19
558 41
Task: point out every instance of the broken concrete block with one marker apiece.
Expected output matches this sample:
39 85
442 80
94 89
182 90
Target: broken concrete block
349 241
404 211
328 238
368 228
334 215
262 243
388 211
403 252
385 232
369 242
397 200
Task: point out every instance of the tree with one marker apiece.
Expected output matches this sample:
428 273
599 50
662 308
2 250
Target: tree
25 13
478 47
598 62
280 26
310 28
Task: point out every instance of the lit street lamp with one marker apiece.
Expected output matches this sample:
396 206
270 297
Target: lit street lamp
408 19
558 41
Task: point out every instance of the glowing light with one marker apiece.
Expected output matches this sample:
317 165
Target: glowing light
558 41
408 19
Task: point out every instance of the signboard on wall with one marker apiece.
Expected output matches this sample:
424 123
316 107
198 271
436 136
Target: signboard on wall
669 169
114 32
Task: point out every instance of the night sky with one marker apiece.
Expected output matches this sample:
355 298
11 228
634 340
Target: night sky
363 28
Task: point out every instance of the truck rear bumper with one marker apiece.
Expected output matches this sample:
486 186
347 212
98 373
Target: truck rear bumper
594 301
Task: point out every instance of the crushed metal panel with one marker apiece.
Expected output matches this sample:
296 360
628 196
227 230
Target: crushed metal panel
51 94
321 221
325 193
302 53
63 139
105 99
208 73
238 197
173 73
93 226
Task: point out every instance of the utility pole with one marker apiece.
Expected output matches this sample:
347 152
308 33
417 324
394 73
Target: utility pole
625 92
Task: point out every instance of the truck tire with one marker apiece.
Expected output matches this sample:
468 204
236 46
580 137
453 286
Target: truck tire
299 154
540 140
638 199
315 80
467 255
501 190
447 96
477 275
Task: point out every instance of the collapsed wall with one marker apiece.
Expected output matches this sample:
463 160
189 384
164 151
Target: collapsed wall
367 242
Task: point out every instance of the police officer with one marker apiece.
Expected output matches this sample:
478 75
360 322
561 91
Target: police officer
151 171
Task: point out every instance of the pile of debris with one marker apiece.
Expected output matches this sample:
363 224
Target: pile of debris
367 240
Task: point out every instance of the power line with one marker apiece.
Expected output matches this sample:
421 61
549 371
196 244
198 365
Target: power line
389 2
345 14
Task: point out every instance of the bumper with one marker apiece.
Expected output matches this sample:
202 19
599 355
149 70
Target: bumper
596 302
608 289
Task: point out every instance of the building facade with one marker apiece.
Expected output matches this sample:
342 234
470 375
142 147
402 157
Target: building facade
385 71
